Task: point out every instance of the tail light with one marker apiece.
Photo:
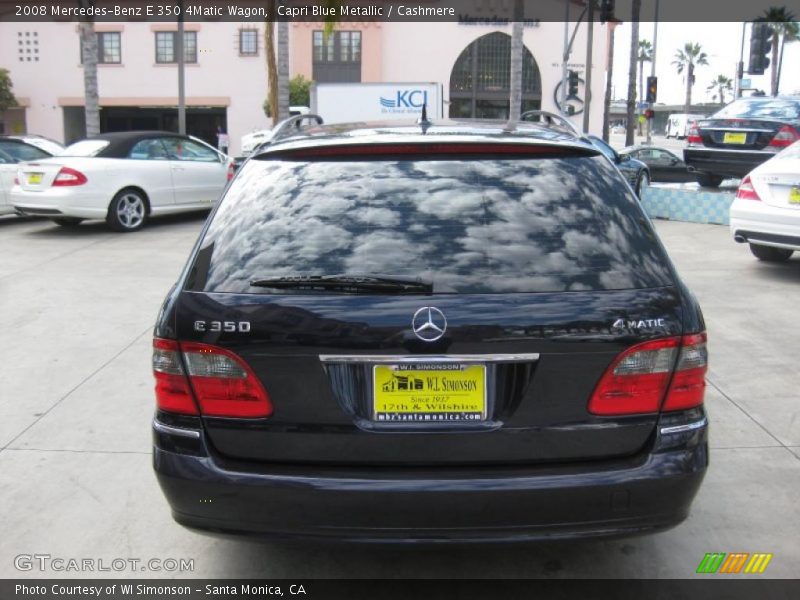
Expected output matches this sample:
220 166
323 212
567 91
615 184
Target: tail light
641 379
693 137
231 171
172 387
746 190
786 136
220 382
69 177
688 385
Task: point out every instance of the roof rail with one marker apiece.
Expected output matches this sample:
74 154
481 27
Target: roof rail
284 128
551 119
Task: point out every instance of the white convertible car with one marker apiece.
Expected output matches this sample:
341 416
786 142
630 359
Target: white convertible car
124 178
766 210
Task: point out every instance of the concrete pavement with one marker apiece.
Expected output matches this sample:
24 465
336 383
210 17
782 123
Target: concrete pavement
76 312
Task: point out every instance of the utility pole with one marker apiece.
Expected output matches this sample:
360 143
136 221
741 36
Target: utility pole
588 79
181 73
737 84
565 59
653 72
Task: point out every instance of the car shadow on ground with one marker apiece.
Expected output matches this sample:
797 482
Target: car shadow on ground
97 227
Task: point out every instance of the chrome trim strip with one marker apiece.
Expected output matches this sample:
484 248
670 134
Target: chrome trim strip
427 358
167 429
684 428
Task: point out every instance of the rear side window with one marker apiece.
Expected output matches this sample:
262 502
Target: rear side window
465 226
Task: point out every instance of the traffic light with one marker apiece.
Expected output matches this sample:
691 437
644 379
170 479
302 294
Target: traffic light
760 45
606 10
652 89
572 84
649 113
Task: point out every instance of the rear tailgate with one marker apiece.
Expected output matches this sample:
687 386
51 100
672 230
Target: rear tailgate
738 134
39 175
556 348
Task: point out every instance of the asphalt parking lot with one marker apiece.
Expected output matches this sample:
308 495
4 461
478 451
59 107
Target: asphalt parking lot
76 314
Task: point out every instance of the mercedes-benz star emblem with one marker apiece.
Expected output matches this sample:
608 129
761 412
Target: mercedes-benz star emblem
429 323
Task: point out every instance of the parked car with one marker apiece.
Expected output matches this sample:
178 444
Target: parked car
678 125
124 178
255 138
618 130
635 171
662 164
429 332
766 211
741 136
13 150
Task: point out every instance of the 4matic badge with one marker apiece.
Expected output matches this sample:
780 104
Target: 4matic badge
638 323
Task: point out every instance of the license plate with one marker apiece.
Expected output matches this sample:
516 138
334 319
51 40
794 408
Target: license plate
734 138
794 195
34 178
429 393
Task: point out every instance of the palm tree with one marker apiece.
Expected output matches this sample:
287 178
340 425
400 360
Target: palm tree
272 67
784 29
609 80
283 70
91 92
645 55
631 112
720 85
515 81
687 58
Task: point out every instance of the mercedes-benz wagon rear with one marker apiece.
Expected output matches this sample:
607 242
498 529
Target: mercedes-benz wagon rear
438 333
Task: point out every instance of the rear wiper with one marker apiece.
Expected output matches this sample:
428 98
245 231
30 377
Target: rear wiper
351 284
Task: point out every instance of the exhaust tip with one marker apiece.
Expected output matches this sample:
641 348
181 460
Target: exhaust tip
739 238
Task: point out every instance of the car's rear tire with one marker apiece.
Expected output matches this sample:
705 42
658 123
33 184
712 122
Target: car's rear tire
67 221
770 254
642 183
127 211
708 180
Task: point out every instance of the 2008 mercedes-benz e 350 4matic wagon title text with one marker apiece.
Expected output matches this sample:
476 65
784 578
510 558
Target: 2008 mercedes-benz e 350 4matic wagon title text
439 332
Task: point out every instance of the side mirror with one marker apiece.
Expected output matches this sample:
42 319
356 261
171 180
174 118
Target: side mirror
674 161
621 158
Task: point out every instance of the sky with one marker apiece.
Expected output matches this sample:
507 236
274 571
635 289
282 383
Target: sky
720 41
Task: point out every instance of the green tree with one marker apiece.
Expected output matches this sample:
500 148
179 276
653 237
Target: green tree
7 99
686 59
299 91
719 86
784 30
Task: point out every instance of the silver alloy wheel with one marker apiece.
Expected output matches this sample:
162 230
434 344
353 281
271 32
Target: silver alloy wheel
130 210
644 181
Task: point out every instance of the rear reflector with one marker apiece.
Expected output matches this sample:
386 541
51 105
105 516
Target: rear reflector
69 177
222 384
231 171
746 190
786 136
638 380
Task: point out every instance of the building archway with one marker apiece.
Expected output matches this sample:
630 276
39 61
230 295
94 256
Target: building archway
480 79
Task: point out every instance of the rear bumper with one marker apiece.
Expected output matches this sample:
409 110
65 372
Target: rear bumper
759 223
61 202
640 494
727 163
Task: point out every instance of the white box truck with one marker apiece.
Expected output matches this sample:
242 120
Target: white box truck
353 102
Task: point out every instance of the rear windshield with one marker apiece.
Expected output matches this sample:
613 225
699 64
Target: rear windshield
768 108
464 226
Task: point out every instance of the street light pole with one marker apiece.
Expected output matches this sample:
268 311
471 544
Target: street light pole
181 73
653 71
